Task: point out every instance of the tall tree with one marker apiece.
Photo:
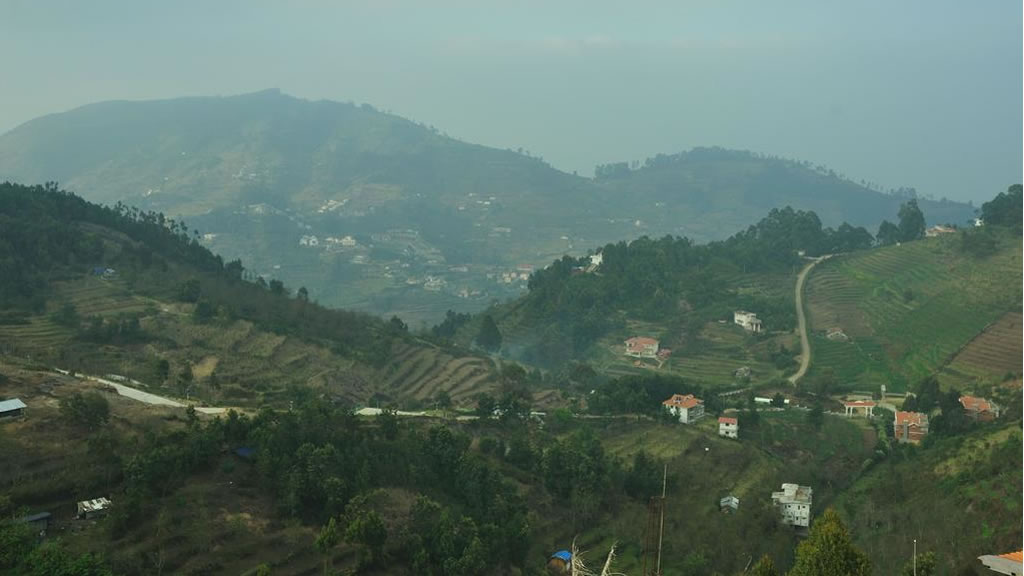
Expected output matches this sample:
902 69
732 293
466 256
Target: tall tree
1004 209
326 540
911 221
888 233
489 337
829 551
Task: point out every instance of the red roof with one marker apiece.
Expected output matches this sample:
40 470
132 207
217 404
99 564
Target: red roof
860 404
1017 556
911 418
974 404
724 420
681 401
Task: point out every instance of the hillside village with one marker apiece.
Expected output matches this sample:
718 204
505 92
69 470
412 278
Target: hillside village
816 435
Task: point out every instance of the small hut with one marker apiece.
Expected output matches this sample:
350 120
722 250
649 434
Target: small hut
560 562
13 408
90 509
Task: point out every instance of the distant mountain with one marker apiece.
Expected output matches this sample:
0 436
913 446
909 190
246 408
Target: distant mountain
374 212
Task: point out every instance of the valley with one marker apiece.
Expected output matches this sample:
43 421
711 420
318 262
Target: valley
372 212
513 442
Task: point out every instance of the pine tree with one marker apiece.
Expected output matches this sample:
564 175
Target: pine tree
829 551
489 337
764 567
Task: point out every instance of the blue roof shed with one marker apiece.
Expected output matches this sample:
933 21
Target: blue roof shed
563 555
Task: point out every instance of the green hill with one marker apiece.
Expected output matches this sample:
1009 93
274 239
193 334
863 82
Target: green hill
103 291
908 310
406 220
960 498
680 293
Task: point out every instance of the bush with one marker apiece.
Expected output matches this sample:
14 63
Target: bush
90 410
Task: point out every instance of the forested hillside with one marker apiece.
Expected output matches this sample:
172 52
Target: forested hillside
117 290
677 291
377 213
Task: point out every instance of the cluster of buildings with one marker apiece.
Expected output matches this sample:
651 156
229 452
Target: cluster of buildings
912 427
688 409
313 241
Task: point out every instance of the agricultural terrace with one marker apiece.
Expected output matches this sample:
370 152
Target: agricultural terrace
232 362
990 356
906 310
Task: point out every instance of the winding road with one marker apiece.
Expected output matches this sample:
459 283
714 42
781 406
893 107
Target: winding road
805 345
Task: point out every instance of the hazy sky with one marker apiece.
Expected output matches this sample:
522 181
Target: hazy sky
923 93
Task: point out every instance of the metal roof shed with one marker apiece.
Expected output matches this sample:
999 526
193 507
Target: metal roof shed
11 408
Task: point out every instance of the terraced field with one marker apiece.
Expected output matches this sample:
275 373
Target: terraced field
421 372
907 310
250 364
991 355
92 296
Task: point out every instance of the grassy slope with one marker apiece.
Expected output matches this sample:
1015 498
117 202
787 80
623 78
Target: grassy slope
907 309
783 449
929 495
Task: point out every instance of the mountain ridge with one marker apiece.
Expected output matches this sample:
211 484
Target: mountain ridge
437 222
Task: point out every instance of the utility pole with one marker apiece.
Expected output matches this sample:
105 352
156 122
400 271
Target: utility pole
661 527
915 556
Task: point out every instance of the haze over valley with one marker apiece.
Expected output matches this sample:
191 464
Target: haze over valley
517 289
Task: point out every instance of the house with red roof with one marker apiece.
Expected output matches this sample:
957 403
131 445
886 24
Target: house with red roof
728 427
979 409
687 408
1011 563
641 347
910 426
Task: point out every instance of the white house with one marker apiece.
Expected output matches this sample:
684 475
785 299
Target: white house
641 347
687 408
978 222
748 320
728 427
794 503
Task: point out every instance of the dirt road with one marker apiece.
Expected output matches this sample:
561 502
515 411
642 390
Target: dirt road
146 397
805 345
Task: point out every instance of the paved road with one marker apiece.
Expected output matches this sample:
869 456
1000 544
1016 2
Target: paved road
146 397
805 345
